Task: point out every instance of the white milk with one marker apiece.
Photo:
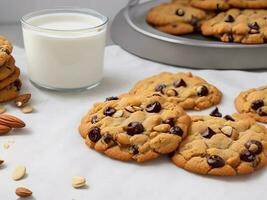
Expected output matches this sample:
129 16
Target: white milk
63 52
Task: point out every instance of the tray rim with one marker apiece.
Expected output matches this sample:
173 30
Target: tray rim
179 39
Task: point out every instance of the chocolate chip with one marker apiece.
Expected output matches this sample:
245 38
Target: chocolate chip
208 133
134 149
215 161
247 156
160 87
135 128
257 150
154 107
254 27
229 18
202 91
94 134
107 138
94 119
262 113
216 113
176 130
17 84
229 118
109 111
179 83
169 121
255 105
180 12
2 49
111 98
230 37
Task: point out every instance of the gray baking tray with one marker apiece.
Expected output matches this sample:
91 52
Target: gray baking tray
130 30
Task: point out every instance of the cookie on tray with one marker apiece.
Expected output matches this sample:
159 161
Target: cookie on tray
174 15
10 92
5 50
7 69
241 26
189 91
135 127
254 103
255 4
223 146
216 5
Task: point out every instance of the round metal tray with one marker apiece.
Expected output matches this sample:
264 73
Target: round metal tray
130 30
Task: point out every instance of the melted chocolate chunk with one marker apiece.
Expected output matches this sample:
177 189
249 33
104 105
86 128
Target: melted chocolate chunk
180 12
135 128
160 87
254 27
94 134
229 18
107 138
229 118
202 91
109 111
262 113
216 113
111 98
176 130
215 161
154 107
208 133
179 83
230 37
258 145
255 105
134 149
247 156
170 121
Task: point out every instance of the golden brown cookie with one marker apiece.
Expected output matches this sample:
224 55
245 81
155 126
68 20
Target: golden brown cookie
10 79
7 69
223 147
189 91
255 4
5 50
241 26
254 103
135 127
216 5
10 92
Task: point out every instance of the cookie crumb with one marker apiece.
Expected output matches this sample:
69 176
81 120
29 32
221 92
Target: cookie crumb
27 109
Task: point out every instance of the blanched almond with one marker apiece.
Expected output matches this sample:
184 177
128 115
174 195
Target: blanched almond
18 173
78 181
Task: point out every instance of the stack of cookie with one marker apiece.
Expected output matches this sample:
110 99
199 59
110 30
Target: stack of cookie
9 74
150 121
241 21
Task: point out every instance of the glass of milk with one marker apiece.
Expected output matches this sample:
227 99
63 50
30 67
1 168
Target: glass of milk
65 48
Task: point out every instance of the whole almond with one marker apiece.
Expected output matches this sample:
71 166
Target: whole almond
22 100
11 121
23 192
18 173
4 129
78 181
27 109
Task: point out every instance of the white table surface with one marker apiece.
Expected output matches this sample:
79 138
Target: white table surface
52 150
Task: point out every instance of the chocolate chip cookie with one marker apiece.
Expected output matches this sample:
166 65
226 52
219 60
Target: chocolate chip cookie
241 26
10 79
254 103
216 5
5 50
135 127
223 147
190 92
255 4
177 18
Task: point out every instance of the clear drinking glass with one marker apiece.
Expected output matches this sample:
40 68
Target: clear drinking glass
65 47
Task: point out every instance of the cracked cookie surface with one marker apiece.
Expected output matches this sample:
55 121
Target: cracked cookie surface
221 147
241 26
5 50
135 127
189 91
254 103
